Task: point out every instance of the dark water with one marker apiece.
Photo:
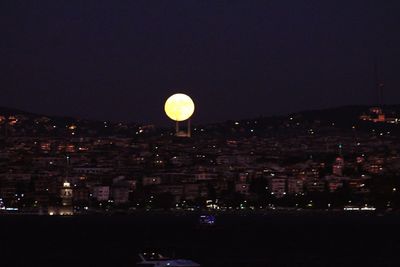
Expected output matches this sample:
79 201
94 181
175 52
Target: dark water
237 240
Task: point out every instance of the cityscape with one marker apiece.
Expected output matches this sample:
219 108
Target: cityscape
300 162
196 133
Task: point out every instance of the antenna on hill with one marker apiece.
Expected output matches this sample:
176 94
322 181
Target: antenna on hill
6 127
67 169
378 84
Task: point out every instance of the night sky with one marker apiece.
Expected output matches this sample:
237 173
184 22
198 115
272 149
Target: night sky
120 60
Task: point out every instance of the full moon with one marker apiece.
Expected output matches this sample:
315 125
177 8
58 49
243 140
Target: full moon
179 107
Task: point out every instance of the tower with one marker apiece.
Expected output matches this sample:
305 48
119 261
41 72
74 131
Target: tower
66 194
376 113
378 85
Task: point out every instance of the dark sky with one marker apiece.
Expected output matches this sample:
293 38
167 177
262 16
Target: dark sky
120 60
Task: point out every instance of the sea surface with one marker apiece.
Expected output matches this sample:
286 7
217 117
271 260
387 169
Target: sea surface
276 239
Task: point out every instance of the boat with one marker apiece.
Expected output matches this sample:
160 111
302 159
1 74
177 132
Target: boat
207 220
154 259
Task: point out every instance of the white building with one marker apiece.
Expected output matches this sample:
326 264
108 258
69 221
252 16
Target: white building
295 186
120 195
151 181
101 192
338 166
242 188
91 170
277 186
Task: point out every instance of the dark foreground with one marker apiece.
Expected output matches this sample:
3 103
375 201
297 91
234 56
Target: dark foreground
236 240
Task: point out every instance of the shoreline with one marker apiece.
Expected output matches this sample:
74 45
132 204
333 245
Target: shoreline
276 212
